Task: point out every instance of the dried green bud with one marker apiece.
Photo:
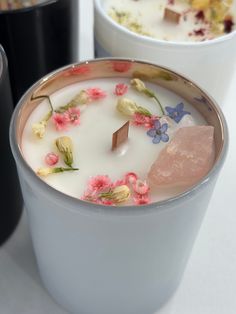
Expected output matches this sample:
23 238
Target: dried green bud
143 111
120 194
43 172
126 106
141 87
80 99
138 85
64 145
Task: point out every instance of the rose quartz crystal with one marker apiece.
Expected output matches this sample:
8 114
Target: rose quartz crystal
186 159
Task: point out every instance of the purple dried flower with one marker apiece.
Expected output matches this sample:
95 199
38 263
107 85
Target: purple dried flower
158 132
177 113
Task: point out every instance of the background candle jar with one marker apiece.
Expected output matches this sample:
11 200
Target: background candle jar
11 199
127 259
210 63
38 36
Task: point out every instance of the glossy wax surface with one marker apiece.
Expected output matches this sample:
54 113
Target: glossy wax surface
92 138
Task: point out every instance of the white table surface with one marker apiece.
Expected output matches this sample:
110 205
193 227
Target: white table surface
209 282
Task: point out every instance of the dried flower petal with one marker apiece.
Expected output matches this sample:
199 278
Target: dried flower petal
120 194
120 89
46 171
141 87
141 187
140 199
99 183
51 159
144 120
138 85
39 128
80 99
73 115
158 132
131 178
126 106
95 93
60 121
64 145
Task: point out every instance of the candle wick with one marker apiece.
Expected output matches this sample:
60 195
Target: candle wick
120 136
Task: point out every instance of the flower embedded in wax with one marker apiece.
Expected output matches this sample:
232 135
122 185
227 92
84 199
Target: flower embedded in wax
140 119
120 89
60 121
73 115
141 187
176 113
129 108
101 190
99 183
141 87
120 194
51 159
39 128
158 132
64 145
126 106
96 93
141 199
81 98
138 85
130 178
43 172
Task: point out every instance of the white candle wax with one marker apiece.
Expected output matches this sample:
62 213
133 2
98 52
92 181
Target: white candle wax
92 138
146 18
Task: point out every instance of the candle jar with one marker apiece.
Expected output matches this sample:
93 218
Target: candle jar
100 259
11 207
38 38
209 63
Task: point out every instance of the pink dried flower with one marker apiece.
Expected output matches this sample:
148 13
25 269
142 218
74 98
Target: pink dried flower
131 178
73 115
96 93
51 159
118 183
141 199
120 89
60 120
141 187
143 120
99 183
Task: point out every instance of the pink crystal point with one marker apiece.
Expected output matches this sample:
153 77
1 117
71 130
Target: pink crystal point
186 159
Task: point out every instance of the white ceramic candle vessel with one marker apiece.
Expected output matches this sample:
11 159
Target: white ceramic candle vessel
210 63
99 259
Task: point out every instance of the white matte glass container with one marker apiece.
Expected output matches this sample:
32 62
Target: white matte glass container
96 259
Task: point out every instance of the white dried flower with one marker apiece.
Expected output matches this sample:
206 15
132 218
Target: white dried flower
39 128
64 145
126 106
120 194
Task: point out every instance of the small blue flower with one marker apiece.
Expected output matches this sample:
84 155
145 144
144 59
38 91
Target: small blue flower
158 132
177 113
